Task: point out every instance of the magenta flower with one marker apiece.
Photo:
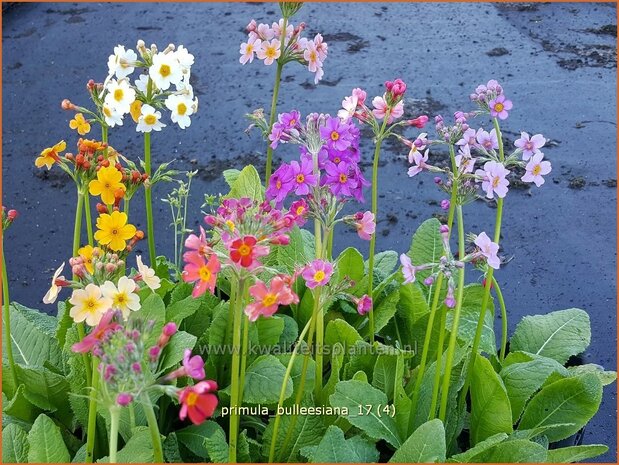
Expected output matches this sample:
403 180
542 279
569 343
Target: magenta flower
536 168
364 305
194 366
123 399
419 160
365 224
317 273
299 211
336 133
489 250
290 120
493 179
529 145
302 175
339 180
408 270
488 140
499 107
280 184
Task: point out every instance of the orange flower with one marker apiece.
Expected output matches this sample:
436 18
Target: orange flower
49 156
80 124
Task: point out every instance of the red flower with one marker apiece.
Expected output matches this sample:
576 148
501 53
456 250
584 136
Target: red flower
198 401
89 342
245 251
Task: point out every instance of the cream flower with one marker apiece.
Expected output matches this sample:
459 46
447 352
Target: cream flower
120 95
182 107
122 62
52 294
149 120
148 274
165 70
112 116
123 297
89 305
184 58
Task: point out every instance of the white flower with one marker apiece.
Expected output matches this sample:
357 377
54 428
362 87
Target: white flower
184 87
51 295
182 107
112 116
89 305
141 83
122 62
120 95
349 106
165 70
123 297
148 274
184 58
149 120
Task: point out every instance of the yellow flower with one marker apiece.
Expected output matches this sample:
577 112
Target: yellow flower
136 110
114 231
49 156
79 123
86 253
106 184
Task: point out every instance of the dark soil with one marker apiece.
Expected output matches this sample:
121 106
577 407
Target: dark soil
559 70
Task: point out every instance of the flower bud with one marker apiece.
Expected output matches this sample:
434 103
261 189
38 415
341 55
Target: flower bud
67 105
12 214
445 204
123 399
418 122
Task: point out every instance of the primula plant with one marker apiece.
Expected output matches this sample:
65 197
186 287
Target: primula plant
255 342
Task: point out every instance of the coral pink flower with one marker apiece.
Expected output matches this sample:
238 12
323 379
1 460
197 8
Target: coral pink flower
536 168
317 273
245 251
98 332
267 300
418 122
198 244
530 145
493 179
381 107
198 402
203 273
366 225
489 250
269 51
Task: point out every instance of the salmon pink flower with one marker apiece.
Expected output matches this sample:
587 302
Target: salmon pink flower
202 272
317 273
530 145
366 225
269 51
245 251
198 244
536 168
266 301
499 107
493 179
93 338
418 122
198 402
489 250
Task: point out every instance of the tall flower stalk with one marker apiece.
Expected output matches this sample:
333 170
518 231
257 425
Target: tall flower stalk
7 220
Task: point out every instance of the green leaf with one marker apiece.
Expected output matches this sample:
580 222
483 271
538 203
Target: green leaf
469 317
175 349
171 451
263 381
557 335
33 335
425 445
385 262
340 331
297 371
153 309
412 302
290 332
350 263
385 310
247 184
64 322
522 380
383 377
471 455
353 394
45 442
571 400
335 448
182 309
266 332
576 453
337 360
14 445
490 409
20 407
231 175
192 437
514 451
217 446
606 377
139 449
427 246
299 251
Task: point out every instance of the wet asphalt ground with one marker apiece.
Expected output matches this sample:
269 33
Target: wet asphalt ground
557 63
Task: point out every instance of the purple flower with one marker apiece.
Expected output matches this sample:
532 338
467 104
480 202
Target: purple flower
493 179
336 133
499 107
317 273
194 366
290 120
323 156
364 305
302 175
277 131
468 137
362 183
445 204
488 140
339 180
529 145
280 184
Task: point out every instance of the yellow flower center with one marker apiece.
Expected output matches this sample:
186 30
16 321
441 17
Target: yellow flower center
118 95
230 224
165 70
278 184
120 299
205 274
293 122
337 160
150 119
498 107
343 178
537 169
192 399
269 300
335 135
107 112
249 49
319 276
244 250
300 178
91 304
270 52
495 181
300 210
181 109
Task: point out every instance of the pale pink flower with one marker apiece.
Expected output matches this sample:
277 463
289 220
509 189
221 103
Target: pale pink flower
349 106
419 161
311 56
530 145
469 137
493 179
360 94
317 273
464 160
408 270
366 225
248 49
269 51
489 250
536 168
321 47
380 109
277 29
264 32
488 140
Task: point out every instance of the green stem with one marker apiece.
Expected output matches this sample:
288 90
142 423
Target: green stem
91 240
155 436
92 412
282 393
439 364
114 423
454 329
126 207
503 319
234 375
320 334
148 198
7 318
245 348
77 229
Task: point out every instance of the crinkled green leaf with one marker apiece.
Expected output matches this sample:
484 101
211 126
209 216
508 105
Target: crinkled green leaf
182 309
192 437
427 246
470 456
247 184
350 264
45 442
469 317
14 445
263 381
335 448
514 451
139 449
175 349
576 453
425 445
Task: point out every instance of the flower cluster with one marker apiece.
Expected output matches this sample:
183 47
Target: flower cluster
282 42
129 366
491 99
390 106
